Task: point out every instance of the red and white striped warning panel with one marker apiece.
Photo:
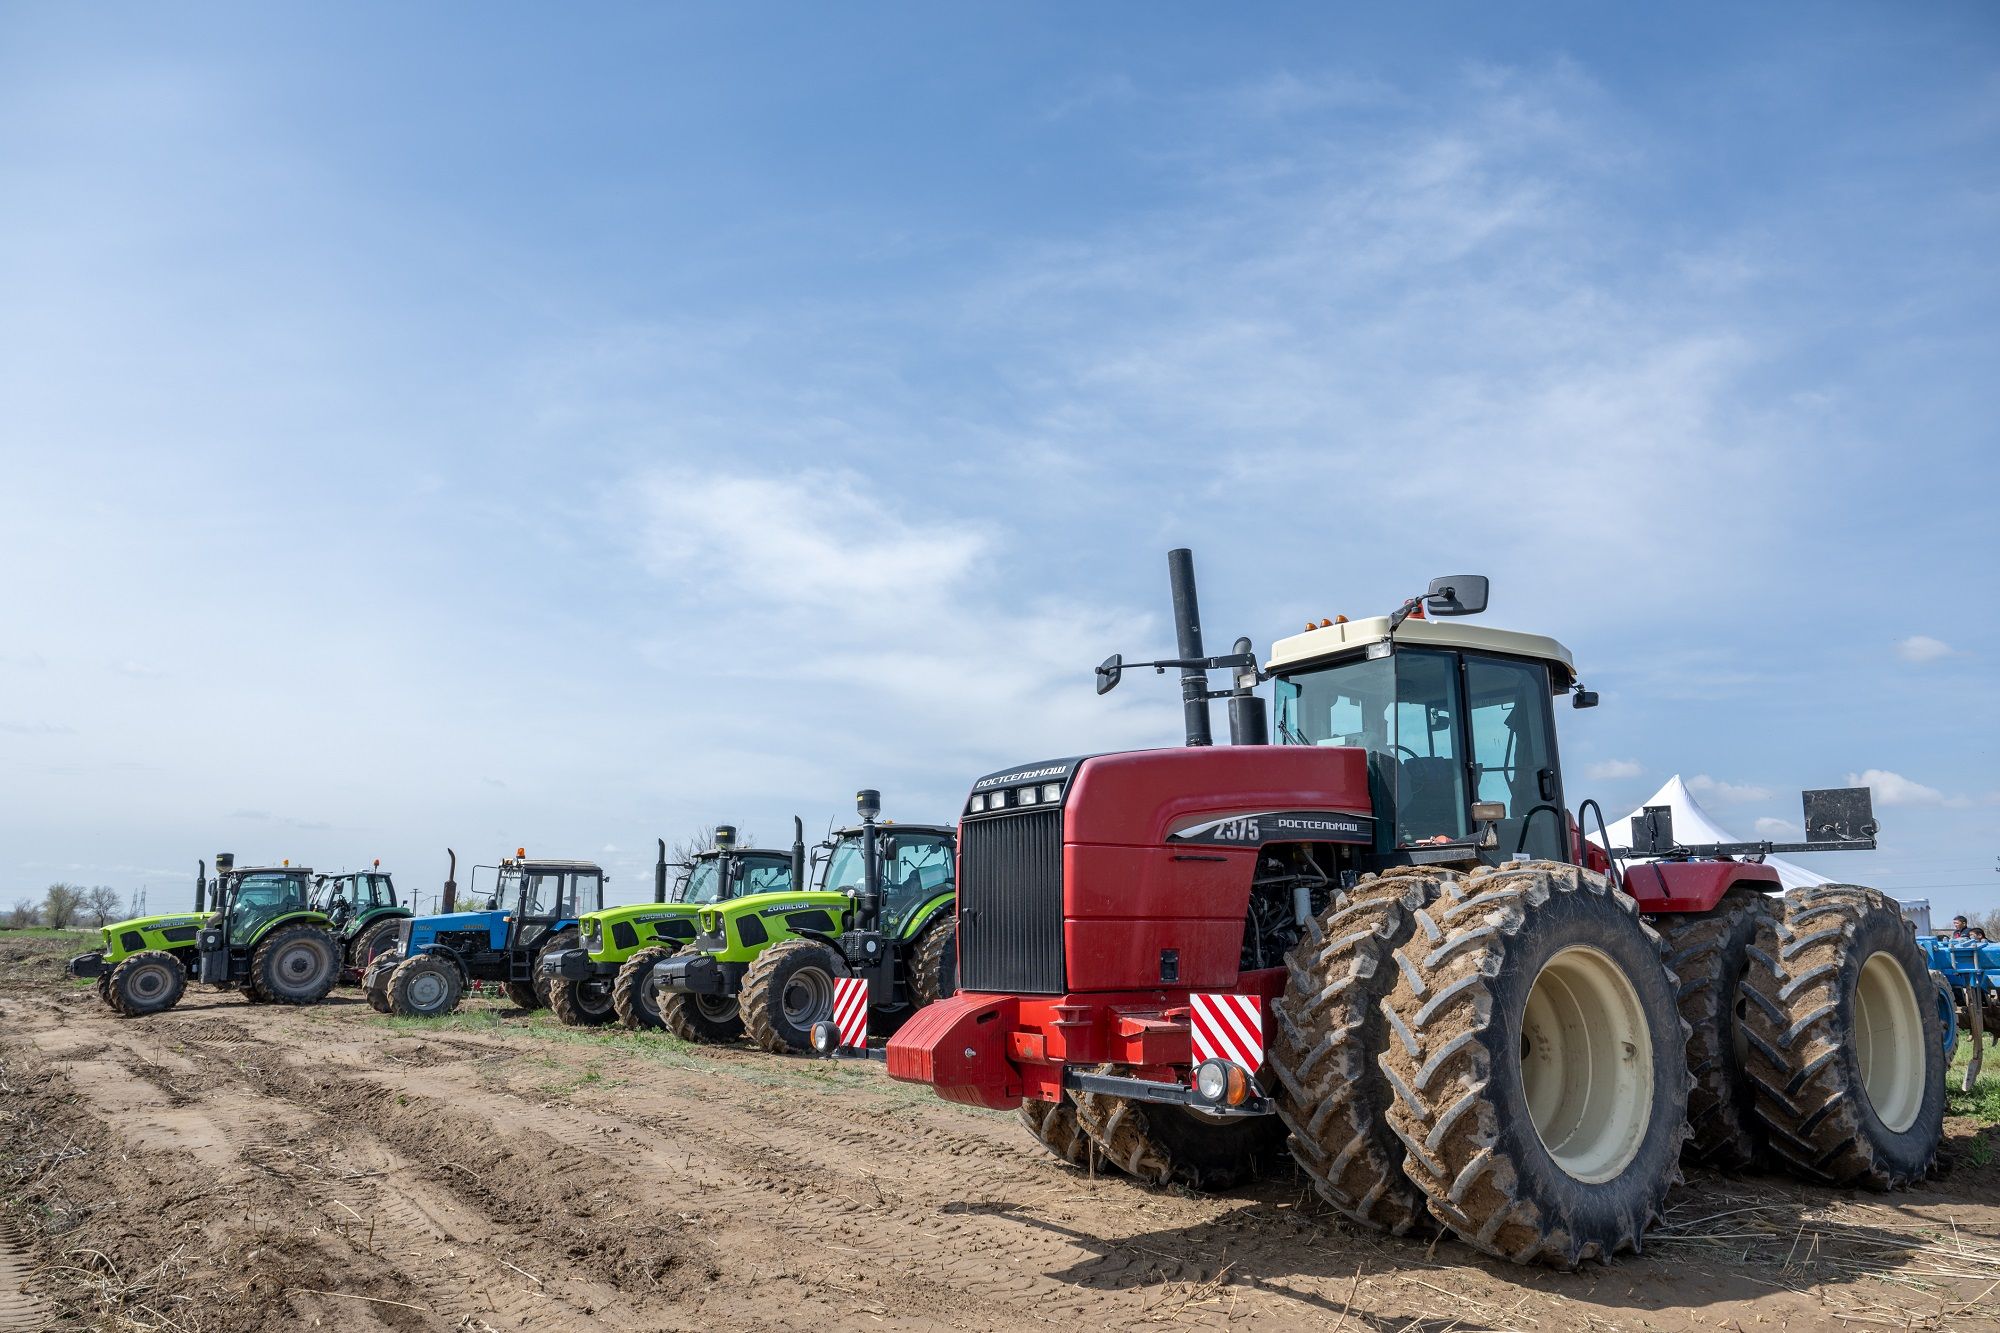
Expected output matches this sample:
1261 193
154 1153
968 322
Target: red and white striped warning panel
1228 1027
850 1010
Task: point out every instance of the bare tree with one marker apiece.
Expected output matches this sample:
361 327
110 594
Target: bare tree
61 905
101 905
26 913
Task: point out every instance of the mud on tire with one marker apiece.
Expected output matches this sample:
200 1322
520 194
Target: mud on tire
934 962
710 1019
424 987
1156 1143
581 1004
373 939
295 965
562 939
787 989
1846 1049
146 983
1710 954
1538 1064
1054 1126
635 1001
1329 1032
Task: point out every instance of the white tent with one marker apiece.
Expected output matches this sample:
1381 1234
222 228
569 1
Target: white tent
1693 826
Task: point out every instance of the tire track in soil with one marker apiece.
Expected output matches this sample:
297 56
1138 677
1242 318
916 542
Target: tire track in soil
21 1310
815 1179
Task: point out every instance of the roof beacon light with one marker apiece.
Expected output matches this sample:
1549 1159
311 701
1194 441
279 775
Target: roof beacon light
520 853
868 803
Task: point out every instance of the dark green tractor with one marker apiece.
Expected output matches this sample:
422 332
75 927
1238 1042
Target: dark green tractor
253 929
365 912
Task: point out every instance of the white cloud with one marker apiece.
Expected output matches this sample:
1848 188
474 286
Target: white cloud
1778 830
1922 648
1609 770
1731 793
1895 789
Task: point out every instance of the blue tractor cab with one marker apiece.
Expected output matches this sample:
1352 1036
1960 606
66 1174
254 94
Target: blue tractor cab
530 908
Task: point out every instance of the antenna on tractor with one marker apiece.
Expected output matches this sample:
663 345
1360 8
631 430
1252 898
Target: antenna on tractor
1248 724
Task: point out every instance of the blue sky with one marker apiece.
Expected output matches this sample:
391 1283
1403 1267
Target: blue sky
493 426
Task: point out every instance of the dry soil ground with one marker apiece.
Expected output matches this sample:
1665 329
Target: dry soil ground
230 1167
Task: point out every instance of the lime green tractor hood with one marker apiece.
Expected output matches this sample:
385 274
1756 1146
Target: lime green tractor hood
616 933
171 930
738 930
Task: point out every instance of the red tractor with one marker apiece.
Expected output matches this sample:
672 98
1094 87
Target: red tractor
1385 939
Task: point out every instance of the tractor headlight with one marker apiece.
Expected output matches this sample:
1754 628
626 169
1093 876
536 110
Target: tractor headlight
976 804
1051 792
1221 1083
1028 796
825 1037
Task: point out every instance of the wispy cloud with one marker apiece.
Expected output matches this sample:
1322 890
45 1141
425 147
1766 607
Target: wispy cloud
37 728
1610 770
1728 793
1921 649
1893 789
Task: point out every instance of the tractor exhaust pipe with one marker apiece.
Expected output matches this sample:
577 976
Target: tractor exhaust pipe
1249 724
1187 630
660 874
798 854
200 887
451 882
868 903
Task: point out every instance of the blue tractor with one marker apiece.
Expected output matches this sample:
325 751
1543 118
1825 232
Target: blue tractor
531 909
1967 973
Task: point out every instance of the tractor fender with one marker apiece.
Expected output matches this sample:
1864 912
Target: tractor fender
308 918
830 941
920 920
1694 886
451 956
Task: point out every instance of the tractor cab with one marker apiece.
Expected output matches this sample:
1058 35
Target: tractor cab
540 898
916 868
246 901
351 900
1458 725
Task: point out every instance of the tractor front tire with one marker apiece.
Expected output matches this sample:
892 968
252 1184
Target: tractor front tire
633 995
711 1020
1710 955
295 965
787 989
104 988
526 995
934 963
378 994
424 987
582 1004
1846 1049
1156 1143
1538 1063
146 983
1330 1031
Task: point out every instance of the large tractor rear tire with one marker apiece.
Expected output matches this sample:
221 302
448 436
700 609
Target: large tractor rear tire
1846 1049
525 995
146 983
1156 1143
934 962
295 965
371 940
582 1004
633 996
1330 1031
1710 955
378 994
562 939
424 987
713 1020
787 989
1538 1063
1054 1126
104 988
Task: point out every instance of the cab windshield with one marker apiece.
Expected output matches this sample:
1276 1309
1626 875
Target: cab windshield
1430 755
768 873
916 867
703 881
263 896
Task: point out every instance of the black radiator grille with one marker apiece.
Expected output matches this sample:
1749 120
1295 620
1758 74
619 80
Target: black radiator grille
1010 904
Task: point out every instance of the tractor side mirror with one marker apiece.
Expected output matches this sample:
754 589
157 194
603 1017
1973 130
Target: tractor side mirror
1109 671
1583 699
1456 595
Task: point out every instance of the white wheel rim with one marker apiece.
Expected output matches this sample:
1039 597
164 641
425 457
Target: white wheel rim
1587 1064
426 991
1889 1042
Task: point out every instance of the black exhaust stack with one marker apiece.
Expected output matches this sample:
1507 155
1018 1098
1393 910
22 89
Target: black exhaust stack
660 874
451 882
798 854
868 903
1249 723
200 887
1187 630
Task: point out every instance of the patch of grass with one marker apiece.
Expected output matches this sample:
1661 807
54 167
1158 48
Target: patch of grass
1983 1102
49 933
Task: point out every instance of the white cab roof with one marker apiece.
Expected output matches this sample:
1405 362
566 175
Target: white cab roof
1335 640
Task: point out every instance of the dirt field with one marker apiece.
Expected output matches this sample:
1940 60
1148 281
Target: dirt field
229 1167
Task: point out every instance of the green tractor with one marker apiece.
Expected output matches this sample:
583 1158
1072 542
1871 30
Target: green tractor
263 937
764 965
364 909
606 977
